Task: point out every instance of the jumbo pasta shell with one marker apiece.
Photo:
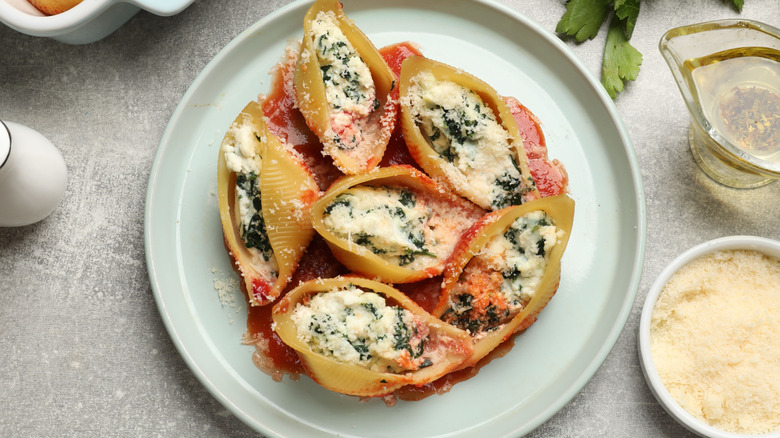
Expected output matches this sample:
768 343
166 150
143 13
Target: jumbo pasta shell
395 223
460 131
286 191
505 271
348 105
333 346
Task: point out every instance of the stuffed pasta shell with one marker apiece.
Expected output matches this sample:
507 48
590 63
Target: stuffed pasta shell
342 87
505 271
361 337
463 134
394 223
264 195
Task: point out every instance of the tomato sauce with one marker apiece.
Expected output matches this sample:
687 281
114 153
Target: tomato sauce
282 357
318 262
550 176
395 54
286 122
445 383
397 152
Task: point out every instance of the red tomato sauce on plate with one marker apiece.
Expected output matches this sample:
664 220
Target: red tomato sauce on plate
550 176
287 123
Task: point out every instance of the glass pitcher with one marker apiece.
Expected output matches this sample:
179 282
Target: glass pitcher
728 72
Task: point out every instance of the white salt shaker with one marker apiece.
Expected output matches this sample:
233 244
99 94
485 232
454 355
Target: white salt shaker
33 176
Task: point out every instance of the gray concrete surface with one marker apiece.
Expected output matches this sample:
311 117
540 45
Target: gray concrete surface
83 350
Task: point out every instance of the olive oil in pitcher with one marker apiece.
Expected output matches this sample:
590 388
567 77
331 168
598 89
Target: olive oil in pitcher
739 92
728 72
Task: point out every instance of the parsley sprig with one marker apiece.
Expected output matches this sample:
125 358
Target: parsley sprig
621 61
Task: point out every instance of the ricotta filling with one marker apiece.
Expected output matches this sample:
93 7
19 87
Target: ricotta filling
503 277
355 326
392 222
478 156
242 158
349 86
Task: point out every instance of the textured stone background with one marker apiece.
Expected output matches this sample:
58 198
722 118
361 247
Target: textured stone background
83 350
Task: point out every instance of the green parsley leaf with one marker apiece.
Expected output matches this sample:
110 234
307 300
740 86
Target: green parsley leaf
621 60
628 11
583 18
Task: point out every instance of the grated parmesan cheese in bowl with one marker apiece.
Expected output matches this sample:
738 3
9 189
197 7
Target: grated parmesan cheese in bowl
709 338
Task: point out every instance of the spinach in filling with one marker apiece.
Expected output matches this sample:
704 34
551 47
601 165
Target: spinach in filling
465 132
456 133
481 301
356 326
252 227
462 314
403 335
354 214
349 86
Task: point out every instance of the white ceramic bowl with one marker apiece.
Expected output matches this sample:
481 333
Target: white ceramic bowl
766 246
86 22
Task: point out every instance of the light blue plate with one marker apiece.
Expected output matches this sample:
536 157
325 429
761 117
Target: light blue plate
549 363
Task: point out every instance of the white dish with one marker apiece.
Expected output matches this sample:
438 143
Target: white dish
549 363
89 21
766 246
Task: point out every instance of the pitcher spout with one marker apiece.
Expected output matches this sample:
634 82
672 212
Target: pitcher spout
728 73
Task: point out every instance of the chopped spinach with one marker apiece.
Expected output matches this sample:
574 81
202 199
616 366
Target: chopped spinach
465 300
512 234
363 239
254 232
325 75
463 315
494 315
315 327
540 247
408 199
371 308
510 187
403 335
322 43
360 346
341 200
343 81
512 273
510 191
410 255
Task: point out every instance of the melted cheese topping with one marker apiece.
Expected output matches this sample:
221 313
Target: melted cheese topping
349 87
503 277
395 223
356 326
477 154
